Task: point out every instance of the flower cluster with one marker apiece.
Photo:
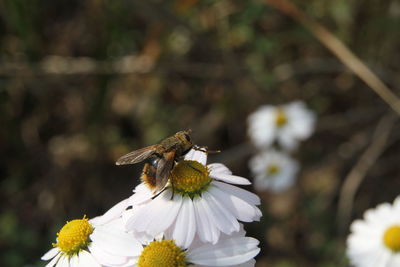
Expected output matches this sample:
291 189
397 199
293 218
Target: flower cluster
275 131
195 222
375 241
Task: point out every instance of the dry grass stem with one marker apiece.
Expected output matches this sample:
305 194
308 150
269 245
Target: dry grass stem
357 174
343 53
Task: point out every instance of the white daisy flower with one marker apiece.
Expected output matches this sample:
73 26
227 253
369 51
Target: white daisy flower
230 250
287 124
203 204
83 243
273 170
375 241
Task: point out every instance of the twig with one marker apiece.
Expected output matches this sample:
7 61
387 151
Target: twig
343 53
357 174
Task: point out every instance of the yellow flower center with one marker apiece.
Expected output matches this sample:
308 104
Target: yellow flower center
190 178
391 238
272 169
280 118
162 253
74 236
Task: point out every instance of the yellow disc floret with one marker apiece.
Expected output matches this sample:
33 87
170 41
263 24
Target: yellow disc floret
74 236
280 118
162 253
190 177
272 169
391 238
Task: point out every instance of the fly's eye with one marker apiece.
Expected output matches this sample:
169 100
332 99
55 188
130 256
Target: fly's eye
187 137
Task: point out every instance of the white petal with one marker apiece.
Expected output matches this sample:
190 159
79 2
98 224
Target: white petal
287 140
132 262
262 127
258 213
222 218
232 179
383 259
54 260
64 260
218 168
50 254
250 263
166 215
301 120
239 192
142 194
227 252
206 230
86 259
197 155
282 182
363 244
381 213
185 225
105 258
115 241
156 216
74 261
111 214
142 237
394 261
396 202
242 210
118 223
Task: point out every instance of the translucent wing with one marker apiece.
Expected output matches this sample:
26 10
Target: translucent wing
137 155
164 168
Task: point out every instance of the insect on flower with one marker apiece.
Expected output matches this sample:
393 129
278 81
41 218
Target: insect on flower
162 158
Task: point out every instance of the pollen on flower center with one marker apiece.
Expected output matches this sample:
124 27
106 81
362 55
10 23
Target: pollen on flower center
74 236
391 238
272 169
280 118
190 177
162 253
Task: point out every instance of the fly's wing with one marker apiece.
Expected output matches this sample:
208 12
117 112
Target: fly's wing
137 155
164 168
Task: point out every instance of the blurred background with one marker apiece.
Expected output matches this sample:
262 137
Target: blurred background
83 82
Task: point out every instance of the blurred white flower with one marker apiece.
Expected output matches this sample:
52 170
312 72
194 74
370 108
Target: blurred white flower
375 240
287 124
273 170
83 243
202 205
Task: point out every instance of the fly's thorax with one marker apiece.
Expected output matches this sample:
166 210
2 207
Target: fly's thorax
168 144
180 142
183 148
185 142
